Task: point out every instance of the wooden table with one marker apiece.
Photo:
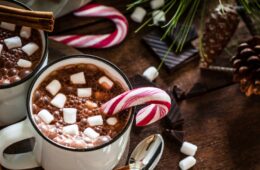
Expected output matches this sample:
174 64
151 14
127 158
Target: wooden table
222 122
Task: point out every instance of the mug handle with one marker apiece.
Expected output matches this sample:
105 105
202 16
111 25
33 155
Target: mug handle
13 134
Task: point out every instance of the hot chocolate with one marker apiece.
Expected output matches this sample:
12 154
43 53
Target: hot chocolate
66 107
20 51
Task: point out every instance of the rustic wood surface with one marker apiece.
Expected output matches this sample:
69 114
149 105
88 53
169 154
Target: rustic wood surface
222 122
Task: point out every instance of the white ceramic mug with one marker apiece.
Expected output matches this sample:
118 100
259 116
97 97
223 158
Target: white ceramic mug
52 156
13 96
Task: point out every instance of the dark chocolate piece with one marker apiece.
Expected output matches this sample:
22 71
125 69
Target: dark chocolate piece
197 89
160 47
176 135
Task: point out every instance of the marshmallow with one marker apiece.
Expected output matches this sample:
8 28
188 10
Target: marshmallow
46 116
25 32
84 92
59 100
155 4
13 42
53 87
158 17
1 48
187 163
138 14
30 48
95 120
91 105
71 129
111 121
24 63
105 82
151 73
7 26
188 148
91 133
6 81
70 115
78 78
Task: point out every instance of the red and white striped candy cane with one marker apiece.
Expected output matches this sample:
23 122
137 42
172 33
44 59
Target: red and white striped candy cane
97 41
159 104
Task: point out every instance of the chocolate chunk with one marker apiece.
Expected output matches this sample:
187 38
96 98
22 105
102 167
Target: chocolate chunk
160 47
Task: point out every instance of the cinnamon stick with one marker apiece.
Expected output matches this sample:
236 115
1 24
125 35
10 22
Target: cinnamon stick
34 19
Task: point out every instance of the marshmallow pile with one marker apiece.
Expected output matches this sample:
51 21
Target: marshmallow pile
158 15
16 42
69 115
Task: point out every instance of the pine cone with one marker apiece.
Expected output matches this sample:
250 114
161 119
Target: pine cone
219 28
247 66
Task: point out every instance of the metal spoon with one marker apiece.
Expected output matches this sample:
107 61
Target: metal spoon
146 155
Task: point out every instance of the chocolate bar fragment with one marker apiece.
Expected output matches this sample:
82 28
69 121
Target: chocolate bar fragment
192 34
160 47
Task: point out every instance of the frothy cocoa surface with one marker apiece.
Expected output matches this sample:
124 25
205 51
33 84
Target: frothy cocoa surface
42 98
9 70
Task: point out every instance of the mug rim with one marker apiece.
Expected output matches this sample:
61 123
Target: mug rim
127 81
43 57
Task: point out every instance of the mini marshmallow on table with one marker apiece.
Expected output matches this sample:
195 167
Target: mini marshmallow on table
155 4
187 163
138 14
188 148
158 17
13 42
151 73
30 48
25 32
7 26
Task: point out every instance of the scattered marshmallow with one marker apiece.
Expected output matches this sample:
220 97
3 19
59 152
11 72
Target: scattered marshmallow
53 87
151 73
30 48
111 121
70 115
91 133
59 100
6 81
138 14
158 17
7 26
1 48
187 163
46 116
105 82
25 32
155 4
78 78
188 148
84 92
71 129
13 42
91 105
95 120
24 63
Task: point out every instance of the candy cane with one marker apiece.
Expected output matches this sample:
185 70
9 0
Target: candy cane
97 41
159 104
